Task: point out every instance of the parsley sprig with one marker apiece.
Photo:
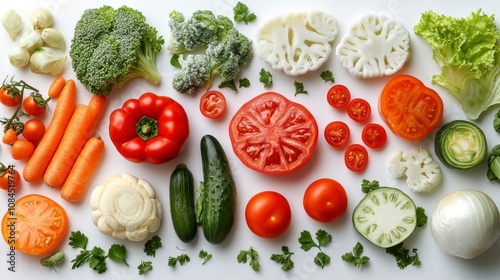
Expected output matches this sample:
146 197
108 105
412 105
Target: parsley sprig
181 259
251 254
299 88
205 256
144 267
327 76
306 243
265 77
242 13
152 245
355 257
285 258
403 256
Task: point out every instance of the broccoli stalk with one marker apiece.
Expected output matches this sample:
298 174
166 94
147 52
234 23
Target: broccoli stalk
111 46
227 50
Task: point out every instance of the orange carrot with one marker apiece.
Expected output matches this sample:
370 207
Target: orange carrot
65 106
9 137
79 177
56 87
78 132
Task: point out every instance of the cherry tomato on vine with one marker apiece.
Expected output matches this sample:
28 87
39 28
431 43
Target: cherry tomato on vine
9 177
33 130
268 214
359 110
7 100
337 133
356 157
374 135
10 136
338 96
22 149
325 200
212 104
31 107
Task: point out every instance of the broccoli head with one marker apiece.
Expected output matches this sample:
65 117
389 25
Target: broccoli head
227 50
111 46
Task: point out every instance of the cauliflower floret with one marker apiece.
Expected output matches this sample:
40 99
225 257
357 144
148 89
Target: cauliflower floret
375 46
421 171
297 42
126 207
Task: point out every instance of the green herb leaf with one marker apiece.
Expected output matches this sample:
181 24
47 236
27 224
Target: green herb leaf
403 257
306 241
242 13
228 84
266 77
52 260
421 217
97 260
205 256
368 186
322 260
327 76
253 255
81 258
78 240
285 259
144 267
181 259
152 245
355 257
174 61
118 253
323 237
244 83
299 88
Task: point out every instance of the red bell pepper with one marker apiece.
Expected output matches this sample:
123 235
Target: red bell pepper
151 129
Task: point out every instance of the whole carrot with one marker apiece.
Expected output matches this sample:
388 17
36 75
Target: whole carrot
79 177
78 132
56 87
65 106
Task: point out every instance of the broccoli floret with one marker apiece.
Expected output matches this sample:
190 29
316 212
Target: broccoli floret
111 46
227 50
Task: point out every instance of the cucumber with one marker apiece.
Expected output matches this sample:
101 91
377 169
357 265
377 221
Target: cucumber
182 206
460 144
385 216
219 192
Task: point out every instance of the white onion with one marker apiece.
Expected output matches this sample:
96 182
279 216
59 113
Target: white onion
465 223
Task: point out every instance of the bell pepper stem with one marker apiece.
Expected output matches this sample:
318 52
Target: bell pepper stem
147 128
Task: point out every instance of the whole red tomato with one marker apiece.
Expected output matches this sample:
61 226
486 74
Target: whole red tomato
8 100
325 200
268 214
31 107
273 135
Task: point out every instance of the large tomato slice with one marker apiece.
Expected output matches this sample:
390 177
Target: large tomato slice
35 225
272 134
409 108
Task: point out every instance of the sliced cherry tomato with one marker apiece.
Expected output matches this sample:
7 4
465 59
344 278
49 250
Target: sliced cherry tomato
9 177
359 109
212 104
33 130
8 100
338 96
409 108
337 133
39 226
325 200
268 214
31 107
273 135
356 157
374 135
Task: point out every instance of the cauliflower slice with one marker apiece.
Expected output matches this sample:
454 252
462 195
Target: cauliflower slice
297 42
126 207
422 172
376 46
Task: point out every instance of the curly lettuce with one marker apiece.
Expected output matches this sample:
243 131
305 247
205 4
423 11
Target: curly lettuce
468 55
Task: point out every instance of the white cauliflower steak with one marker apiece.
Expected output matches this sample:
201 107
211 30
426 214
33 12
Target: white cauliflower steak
375 46
421 171
126 207
297 42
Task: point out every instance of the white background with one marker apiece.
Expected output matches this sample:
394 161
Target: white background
326 162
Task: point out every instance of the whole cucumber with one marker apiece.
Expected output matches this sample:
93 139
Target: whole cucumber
182 205
219 195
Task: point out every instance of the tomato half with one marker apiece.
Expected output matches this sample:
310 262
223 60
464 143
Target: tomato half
212 104
273 135
337 133
356 157
338 96
31 107
359 109
8 100
10 178
409 108
374 135
268 214
325 200
39 225
33 130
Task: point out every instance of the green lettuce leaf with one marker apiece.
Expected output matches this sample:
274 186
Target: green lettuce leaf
467 53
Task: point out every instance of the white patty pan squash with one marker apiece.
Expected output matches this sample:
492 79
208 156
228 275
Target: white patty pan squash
126 207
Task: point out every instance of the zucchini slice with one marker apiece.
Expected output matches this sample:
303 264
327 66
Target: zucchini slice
385 216
460 144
